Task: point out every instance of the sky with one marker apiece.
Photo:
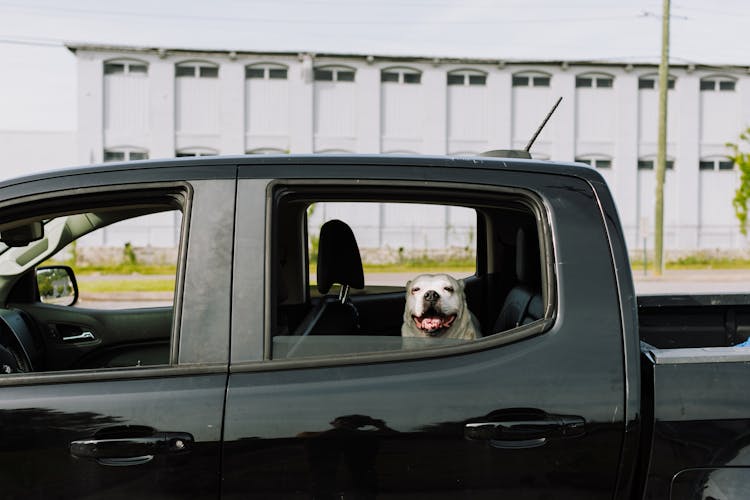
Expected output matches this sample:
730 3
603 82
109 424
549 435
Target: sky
38 78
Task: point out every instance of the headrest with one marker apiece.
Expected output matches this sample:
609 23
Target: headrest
338 257
527 257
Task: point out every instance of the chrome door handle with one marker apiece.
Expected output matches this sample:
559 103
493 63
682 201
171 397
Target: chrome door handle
83 336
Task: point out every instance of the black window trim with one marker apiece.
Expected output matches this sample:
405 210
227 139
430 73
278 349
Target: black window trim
126 152
649 163
401 73
196 69
594 80
716 164
714 83
593 160
126 66
531 79
334 70
466 75
549 292
653 82
265 69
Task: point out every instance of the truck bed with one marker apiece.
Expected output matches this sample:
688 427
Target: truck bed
682 321
694 390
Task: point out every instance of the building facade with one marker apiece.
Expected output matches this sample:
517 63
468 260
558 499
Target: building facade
154 103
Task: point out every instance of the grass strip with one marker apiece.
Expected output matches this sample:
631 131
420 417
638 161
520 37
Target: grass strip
129 285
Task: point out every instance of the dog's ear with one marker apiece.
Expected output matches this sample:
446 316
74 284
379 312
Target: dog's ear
408 286
461 284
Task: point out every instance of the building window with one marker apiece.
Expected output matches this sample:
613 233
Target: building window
334 74
401 75
649 164
531 80
718 83
716 164
652 82
266 72
125 154
125 68
594 81
197 70
467 77
595 161
188 152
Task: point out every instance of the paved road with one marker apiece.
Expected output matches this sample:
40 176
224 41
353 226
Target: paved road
694 282
671 283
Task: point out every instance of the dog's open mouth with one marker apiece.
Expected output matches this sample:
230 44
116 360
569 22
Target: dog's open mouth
432 324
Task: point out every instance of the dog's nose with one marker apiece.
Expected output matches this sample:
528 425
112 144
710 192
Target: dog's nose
431 296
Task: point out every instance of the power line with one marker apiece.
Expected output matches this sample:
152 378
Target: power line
38 42
714 11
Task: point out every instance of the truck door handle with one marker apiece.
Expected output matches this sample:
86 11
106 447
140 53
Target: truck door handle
83 336
518 433
132 450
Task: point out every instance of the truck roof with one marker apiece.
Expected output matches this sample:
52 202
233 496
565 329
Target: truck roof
358 160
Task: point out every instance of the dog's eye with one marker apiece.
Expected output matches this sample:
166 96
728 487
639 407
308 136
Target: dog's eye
448 289
415 289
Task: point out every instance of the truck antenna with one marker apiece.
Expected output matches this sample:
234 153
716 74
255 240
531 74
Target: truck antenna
539 130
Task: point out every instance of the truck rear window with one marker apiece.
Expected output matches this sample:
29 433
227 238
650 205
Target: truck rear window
393 269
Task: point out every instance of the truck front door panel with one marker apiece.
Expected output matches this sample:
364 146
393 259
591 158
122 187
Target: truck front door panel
97 416
56 438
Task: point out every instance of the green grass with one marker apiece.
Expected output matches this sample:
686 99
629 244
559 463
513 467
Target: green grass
696 262
130 282
129 285
126 269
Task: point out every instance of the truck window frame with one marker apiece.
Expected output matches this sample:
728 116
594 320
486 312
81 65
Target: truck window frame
449 193
178 195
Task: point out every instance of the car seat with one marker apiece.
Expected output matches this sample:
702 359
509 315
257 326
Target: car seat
523 304
339 262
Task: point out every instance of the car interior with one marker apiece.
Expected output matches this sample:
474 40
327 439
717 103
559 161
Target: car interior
334 312
341 314
41 335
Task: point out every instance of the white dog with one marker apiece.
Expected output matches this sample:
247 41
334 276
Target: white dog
436 307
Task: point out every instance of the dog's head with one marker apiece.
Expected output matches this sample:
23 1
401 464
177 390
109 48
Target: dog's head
433 303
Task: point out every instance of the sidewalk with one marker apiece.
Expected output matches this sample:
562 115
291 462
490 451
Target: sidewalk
705 281
700 275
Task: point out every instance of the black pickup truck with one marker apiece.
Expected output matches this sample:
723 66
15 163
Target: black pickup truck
278 372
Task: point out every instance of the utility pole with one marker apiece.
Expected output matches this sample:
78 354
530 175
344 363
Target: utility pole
661 151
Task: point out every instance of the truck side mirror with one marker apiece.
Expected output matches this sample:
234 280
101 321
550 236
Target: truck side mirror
57 285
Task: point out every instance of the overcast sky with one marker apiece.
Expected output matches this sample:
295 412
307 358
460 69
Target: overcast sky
37 75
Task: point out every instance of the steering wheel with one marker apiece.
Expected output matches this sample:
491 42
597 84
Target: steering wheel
18 351
8 362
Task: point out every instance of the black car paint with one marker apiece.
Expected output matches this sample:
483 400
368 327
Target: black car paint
396 428
426 404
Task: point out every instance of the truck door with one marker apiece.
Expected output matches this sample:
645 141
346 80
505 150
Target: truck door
108 402
535 411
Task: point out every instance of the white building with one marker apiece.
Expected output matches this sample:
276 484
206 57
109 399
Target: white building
155 103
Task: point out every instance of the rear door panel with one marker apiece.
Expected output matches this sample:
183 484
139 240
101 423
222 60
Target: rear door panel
401 427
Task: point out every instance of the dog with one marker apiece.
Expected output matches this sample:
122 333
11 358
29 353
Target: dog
436 308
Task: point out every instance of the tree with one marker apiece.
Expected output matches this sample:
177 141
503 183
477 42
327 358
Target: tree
742 194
